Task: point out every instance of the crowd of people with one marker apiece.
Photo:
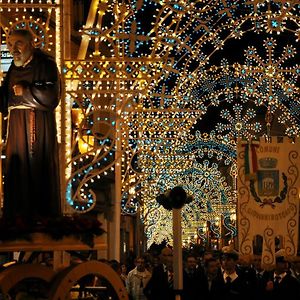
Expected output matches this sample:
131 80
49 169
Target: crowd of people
219 275
209 275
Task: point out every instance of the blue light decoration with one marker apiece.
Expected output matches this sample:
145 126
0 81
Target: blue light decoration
239 125
38 29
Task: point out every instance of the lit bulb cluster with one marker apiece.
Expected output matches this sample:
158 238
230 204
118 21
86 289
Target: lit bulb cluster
239 125
272 75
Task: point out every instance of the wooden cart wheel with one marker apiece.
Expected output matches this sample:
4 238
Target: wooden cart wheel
10 277
68 278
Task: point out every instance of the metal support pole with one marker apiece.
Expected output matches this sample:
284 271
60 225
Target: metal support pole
177 252
118 187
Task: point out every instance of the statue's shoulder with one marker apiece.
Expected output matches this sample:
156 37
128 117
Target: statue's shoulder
44 62
40 55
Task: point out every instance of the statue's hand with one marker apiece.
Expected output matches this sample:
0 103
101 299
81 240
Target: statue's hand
18 89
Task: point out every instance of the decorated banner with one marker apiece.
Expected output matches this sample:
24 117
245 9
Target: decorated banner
268 196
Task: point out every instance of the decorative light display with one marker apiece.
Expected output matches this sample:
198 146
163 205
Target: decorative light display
164 89
238 126
200 71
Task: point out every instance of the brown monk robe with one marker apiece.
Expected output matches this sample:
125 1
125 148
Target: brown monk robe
29 95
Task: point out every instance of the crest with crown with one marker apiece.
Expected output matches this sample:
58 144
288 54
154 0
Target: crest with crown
268 162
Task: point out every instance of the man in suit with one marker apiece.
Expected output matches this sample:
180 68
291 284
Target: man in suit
194 280
229 284
279 283
211 271
160 285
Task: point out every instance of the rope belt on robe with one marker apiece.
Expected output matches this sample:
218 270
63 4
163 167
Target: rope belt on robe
32 126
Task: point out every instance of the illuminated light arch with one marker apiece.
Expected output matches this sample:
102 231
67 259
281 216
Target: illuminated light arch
143 78
187 69
212 195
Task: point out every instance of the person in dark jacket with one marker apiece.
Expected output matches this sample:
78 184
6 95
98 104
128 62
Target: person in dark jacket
160 285
195 285
229 284
29 96
279 283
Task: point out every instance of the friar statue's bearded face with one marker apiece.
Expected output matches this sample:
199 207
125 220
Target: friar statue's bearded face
21 47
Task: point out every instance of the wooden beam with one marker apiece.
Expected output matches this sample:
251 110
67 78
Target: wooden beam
42 242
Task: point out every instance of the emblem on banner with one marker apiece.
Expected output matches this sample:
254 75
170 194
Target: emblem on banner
268 183
268 179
